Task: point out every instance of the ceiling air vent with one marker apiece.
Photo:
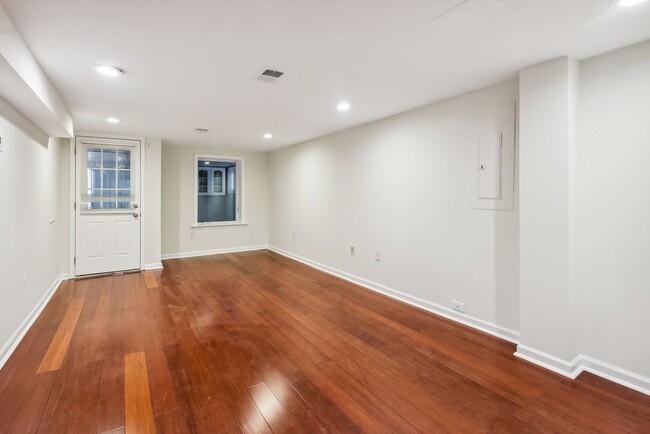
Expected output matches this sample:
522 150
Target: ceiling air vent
268 75
201 130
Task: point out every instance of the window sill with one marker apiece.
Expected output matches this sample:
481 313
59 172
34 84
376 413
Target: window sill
217 225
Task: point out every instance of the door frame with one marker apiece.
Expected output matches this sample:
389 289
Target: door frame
73 193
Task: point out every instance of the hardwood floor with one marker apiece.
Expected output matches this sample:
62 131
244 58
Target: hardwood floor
256 342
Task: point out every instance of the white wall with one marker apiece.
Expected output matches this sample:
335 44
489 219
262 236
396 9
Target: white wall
178 236
404 186
30 185
614 207
152 197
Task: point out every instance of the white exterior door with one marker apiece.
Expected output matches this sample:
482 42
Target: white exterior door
107 205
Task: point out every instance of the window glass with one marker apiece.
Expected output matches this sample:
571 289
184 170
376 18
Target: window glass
124 159
94 178
109 179
109 158
94 158
124 179
231 179
203 181
218 181
218 200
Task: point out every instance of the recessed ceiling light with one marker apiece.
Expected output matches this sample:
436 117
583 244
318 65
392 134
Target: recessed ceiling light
268 136
113 120
626 3
110 71
343 106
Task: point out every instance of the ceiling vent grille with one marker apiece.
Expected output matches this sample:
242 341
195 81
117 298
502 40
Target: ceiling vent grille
268 75
201 130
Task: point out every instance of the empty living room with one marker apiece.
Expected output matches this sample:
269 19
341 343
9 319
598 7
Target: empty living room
300 216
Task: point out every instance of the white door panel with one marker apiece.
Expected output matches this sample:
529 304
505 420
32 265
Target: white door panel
107 212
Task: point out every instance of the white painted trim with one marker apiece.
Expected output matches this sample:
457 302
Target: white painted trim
218 225
548 361
153 266
143 199
10 346
582 363
194 254
476 323
614 373
72 234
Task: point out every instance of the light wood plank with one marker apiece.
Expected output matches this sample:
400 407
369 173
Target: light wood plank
137 398
59 345
150 279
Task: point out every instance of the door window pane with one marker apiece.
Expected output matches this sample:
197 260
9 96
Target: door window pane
124 159
124 179
109 158
94 178
94 159
109 179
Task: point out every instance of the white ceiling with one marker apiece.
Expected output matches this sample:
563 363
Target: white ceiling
190 64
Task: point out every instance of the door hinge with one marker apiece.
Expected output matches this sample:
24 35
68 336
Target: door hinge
74 261
75 150
75 206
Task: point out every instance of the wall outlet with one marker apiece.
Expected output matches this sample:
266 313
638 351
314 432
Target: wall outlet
377 256
293 235
352 250
457 305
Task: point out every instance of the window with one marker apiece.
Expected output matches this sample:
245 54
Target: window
218 193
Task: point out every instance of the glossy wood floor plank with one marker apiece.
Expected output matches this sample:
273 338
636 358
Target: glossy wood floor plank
137 398
150 278
257 343
59 346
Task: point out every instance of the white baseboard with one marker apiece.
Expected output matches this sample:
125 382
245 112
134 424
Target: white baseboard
194 254
153 266
10 346
582 363
549 361
477 323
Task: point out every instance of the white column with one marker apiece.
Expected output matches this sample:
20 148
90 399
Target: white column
548 94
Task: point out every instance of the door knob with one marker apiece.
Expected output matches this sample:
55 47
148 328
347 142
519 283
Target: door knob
135 214
135 205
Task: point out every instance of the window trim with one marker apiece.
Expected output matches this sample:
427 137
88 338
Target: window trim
240 219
